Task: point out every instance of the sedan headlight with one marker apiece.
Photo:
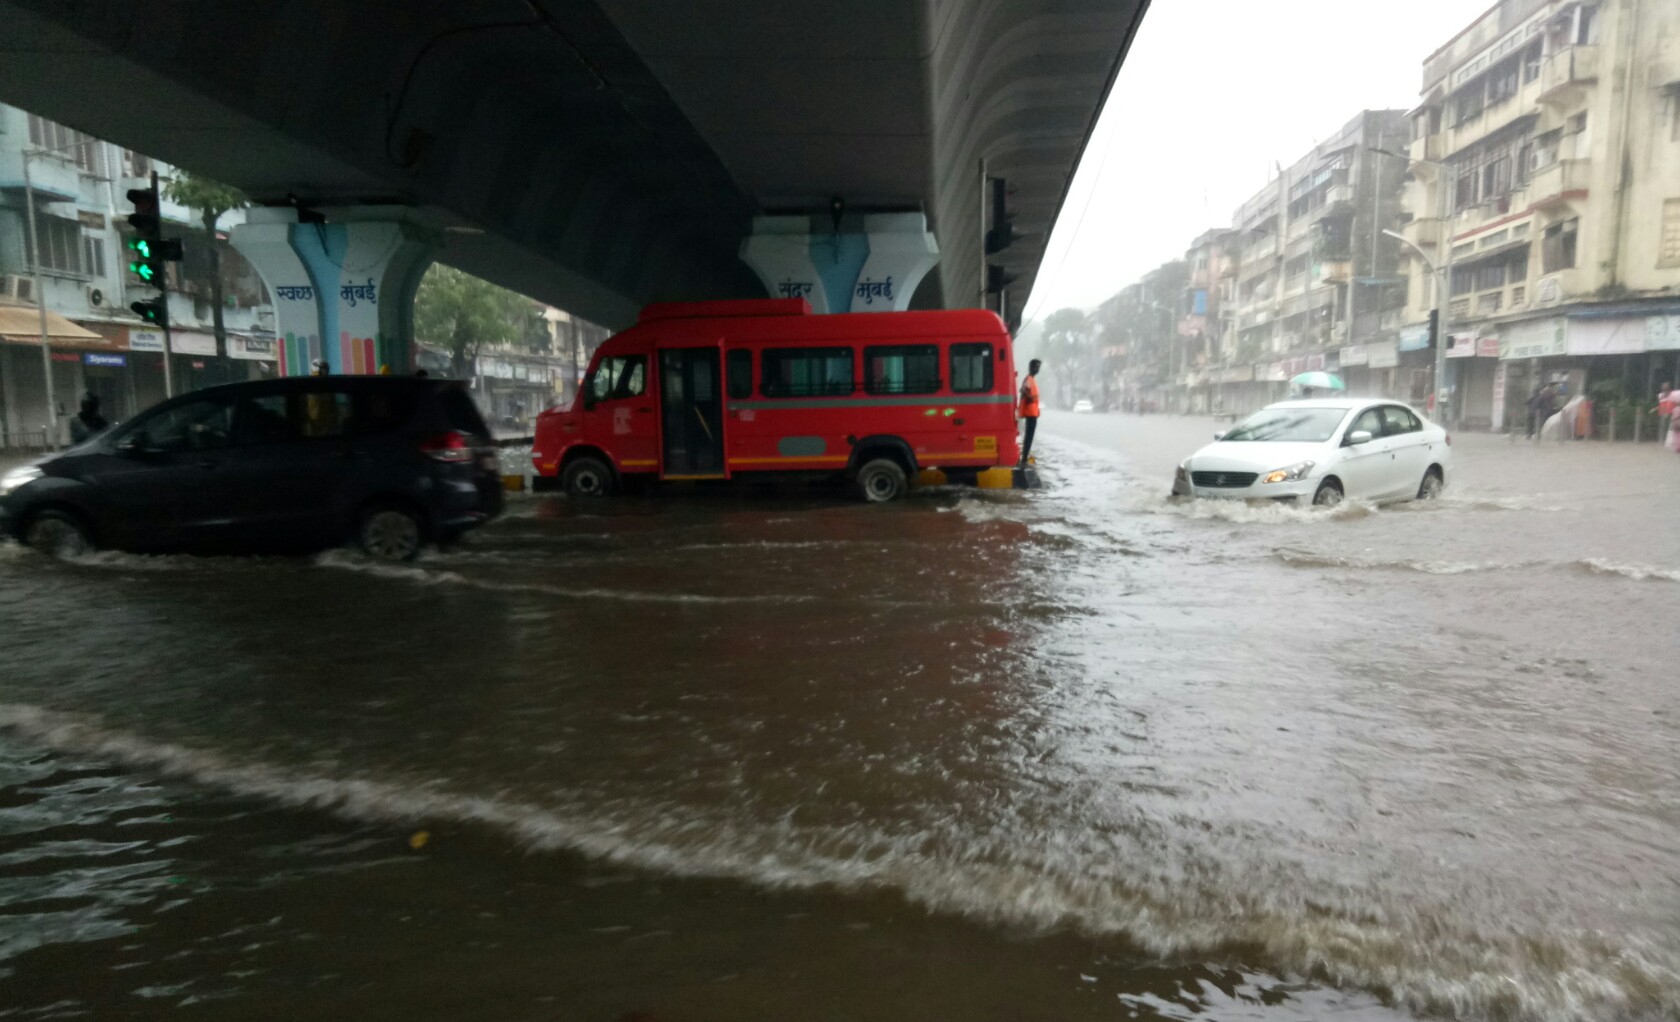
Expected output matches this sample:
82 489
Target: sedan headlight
1296 471
18 477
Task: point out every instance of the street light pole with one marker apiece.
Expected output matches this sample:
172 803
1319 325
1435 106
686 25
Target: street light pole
40 303
1442 275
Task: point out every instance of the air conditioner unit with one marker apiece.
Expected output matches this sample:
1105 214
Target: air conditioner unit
20 289
96 297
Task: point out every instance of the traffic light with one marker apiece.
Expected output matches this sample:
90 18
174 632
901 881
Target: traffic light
997 279
1002 232
1434 327
153 310
144 220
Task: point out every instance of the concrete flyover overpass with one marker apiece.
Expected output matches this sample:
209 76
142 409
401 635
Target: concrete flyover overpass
597 154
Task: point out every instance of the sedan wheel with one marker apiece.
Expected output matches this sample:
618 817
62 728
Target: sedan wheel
1431 486
390 534
1329 494
56 534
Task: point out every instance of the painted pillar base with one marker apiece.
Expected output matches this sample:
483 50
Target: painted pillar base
343 290
875 270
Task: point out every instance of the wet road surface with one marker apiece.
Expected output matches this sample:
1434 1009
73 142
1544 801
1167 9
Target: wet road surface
1077 754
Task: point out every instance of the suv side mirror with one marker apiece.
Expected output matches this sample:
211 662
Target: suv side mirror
1357 437
134 444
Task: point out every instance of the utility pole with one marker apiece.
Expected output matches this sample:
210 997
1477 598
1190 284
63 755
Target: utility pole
1440 270
40 304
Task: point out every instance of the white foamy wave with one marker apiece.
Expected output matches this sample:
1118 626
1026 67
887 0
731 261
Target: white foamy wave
1637 572
345 561
1421 959
1308 559
1258 513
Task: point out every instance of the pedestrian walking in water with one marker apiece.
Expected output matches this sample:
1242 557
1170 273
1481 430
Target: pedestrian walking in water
1542 404
1029 409
1668 412
88 422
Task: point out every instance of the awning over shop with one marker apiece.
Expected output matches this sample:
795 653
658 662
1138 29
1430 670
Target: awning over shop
21 324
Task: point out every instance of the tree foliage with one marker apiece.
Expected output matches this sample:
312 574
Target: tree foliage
208 196
463 313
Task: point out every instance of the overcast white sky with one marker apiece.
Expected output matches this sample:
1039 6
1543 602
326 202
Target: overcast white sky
1212 95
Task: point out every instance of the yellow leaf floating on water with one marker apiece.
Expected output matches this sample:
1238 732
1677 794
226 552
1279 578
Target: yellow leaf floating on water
418 839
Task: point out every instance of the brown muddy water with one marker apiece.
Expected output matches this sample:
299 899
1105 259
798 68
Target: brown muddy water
1075 754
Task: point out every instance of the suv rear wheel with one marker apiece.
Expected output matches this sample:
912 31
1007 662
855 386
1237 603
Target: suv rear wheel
881 480
390 532
587 477
57 534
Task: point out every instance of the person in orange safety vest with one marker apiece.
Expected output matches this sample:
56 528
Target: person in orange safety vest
1029 408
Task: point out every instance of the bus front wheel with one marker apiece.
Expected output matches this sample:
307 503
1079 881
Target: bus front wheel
881 480
587 477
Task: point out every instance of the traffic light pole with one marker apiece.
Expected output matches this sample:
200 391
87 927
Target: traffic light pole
163 293
40 304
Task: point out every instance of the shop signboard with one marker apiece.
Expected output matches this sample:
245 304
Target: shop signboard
1662 333
1353 355
253 349
144 340
1415 337
1461 345
190 342
99 358
1534 338
1487 347
1382 355
1618 336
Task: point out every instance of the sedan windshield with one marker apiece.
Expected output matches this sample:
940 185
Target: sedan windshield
1298 425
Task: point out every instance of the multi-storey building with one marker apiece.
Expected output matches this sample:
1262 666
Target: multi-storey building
76 268
1206 316
1317 283
1546 153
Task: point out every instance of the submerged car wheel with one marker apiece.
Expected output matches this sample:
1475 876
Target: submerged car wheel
1329 494
881 480
1431 486
390 533
587 477
57 534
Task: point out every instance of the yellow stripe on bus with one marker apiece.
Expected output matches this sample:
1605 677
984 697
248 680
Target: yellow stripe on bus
766 461
638 461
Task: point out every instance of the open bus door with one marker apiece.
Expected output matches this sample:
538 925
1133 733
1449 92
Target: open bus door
691 412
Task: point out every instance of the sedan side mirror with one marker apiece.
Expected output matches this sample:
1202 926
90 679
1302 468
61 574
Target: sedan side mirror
1357 437
1219 435
134 444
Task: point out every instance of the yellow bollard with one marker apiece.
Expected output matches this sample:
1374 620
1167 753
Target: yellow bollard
999 478
931 477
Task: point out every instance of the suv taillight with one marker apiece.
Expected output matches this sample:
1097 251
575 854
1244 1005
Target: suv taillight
451 447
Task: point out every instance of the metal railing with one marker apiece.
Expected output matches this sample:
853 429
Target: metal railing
24 440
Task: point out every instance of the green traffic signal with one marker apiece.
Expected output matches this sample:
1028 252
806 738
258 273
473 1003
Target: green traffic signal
145 271
142 246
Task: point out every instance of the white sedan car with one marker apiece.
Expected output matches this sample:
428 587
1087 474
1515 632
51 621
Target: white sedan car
1322 450
1084 405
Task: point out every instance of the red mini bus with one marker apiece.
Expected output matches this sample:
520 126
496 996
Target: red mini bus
711 390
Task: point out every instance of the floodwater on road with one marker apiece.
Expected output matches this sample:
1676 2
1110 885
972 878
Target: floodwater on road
1082 753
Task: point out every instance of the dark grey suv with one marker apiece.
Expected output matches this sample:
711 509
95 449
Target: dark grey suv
295 464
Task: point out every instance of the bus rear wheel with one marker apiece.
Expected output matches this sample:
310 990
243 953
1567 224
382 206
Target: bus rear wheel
587 477
881 480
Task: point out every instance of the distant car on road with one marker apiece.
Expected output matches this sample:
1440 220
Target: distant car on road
1084 405
1324 450
277 465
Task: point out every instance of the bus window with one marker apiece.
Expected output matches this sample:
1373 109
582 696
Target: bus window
807 372
971 368
901 369
740 373
618 376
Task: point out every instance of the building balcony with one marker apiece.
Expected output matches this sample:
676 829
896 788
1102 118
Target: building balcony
1495 116
1556 183
1427 147
1566 72
1424 232
1339 193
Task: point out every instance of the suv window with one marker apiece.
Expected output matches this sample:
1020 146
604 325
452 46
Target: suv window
1397 420
199 425
294 415
460 412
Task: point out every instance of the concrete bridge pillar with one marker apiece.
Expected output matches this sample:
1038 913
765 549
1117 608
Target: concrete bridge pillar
343 290
876 269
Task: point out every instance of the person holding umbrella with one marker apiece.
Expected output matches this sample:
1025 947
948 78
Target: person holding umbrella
1306 383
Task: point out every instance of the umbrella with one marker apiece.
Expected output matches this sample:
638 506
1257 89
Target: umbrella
1323 381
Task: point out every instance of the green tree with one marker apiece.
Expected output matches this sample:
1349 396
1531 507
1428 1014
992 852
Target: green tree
1067 348
464 313
210 199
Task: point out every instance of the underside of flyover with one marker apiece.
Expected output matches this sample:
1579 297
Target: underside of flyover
600 154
